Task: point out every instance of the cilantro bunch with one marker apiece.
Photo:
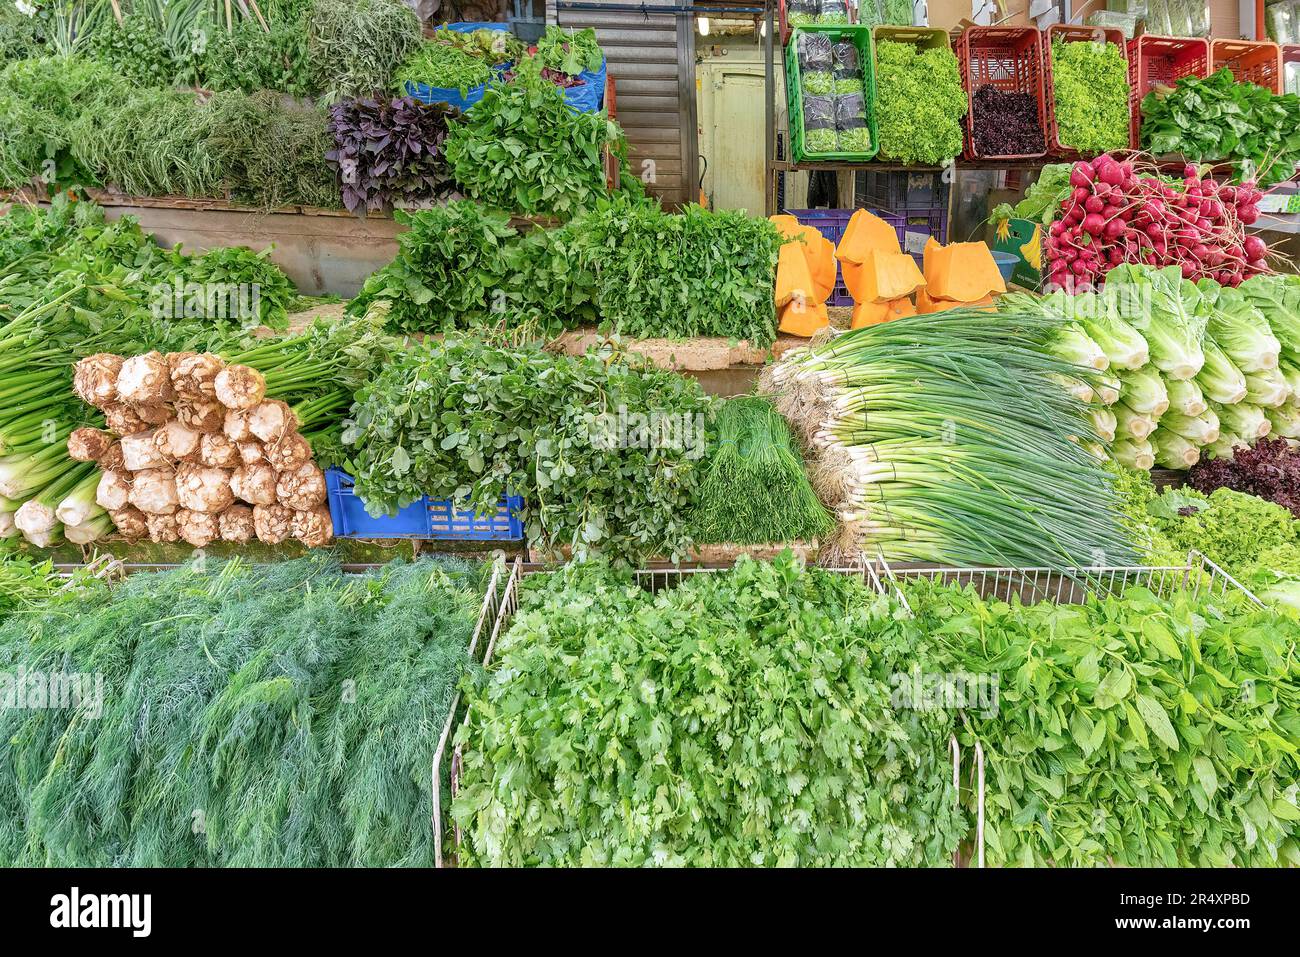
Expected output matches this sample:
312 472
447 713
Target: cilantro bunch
919 103
739 719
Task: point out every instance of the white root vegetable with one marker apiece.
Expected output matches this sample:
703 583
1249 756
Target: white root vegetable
240 387
200 415
291 452
302 489
7 527
198 528
313 527
194 375
114 490
236 427
90 531
113 460
125 420
131 523
203 489
34 518
218 452
162 528
271 419
153 492
236 524
145 380
140 453
48 538
273 523
176 443
89 445
254 484
95 379
251 453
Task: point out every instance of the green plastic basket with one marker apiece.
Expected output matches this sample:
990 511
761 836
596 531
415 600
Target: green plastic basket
923 38
861 38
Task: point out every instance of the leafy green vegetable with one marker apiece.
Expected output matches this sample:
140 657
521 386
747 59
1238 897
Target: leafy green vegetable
450 272
442 65
249 58
522 149
1215 119
604 448
134 48
1090 86
355 46
755 490
677 275
1043 198
570 51
1131 730
739 719
236 266
275 715
920 103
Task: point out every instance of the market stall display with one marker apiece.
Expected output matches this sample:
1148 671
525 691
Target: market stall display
1088 105
919 100
830 89
1002 71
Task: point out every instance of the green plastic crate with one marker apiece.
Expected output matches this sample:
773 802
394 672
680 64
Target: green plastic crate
861 37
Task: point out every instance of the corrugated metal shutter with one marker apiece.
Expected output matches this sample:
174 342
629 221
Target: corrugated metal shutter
652 60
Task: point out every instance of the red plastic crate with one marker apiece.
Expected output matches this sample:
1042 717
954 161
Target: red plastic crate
1251 61
1009 58
1156 60
1070 34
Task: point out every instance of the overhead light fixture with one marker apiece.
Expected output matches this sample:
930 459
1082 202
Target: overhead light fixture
702 24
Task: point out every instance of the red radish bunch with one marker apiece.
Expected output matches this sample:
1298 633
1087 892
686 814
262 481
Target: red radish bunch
1115 216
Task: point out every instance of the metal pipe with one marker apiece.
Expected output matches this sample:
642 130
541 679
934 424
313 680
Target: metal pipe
648 10
769 111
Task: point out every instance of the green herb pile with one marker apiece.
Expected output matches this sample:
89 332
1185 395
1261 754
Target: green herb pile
278 715
442 65
355 46
648 273
1090 86
1130 731
604 448
740 719
679 275
240 266
755 490
1218 119
25 583
134 48
522 149
249 58
570 51
919 103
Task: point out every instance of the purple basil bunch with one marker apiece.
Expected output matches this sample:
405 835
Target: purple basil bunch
388 152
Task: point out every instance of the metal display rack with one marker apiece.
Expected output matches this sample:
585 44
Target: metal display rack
1198 574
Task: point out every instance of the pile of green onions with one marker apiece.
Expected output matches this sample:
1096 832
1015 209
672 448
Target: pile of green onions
39 483
947 439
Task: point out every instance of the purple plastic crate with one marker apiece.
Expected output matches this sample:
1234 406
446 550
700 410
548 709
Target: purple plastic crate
915 226
831 223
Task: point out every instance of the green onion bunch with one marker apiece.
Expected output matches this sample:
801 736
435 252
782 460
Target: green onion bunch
947 438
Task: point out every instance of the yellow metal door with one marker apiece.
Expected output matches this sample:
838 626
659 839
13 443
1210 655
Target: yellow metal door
734 175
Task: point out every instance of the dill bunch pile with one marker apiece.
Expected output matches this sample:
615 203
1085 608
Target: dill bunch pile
278 715
756 490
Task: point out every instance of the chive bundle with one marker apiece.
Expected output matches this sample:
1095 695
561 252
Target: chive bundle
755 490
947 438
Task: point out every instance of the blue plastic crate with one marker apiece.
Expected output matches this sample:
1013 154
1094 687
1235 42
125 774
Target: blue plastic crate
433 519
